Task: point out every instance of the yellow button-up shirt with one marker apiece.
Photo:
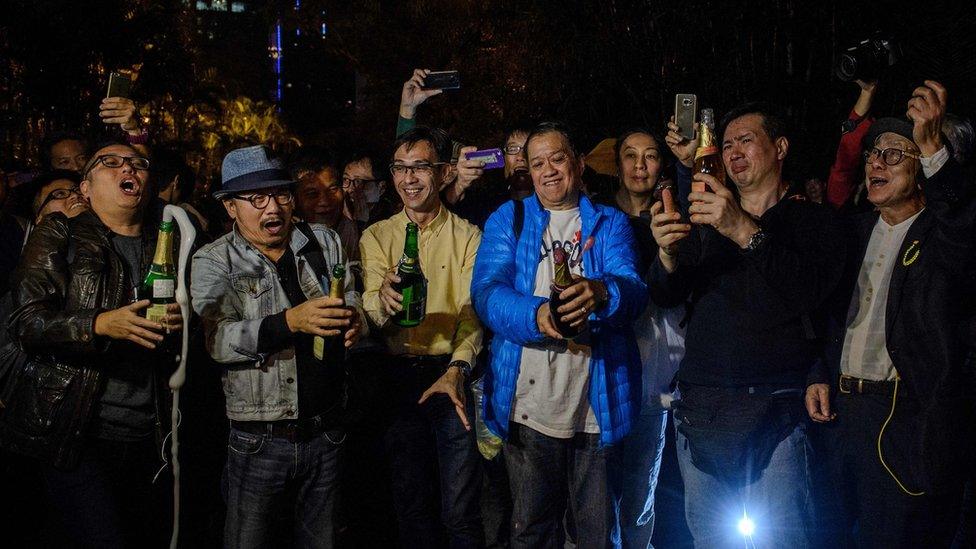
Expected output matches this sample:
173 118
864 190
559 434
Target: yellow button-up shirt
448 245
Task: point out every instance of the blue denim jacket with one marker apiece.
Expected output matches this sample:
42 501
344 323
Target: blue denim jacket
234 288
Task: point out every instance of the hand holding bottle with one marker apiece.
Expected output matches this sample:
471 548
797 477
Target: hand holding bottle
668 230
391 298
173 320
127 323
581 299
322 316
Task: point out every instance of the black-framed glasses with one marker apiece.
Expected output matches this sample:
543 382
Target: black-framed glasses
348 183
57 194
116 161
513 149
261 200
890 156
421 168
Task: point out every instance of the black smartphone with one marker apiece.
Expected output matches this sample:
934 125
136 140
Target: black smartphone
685 106
443 80
118 85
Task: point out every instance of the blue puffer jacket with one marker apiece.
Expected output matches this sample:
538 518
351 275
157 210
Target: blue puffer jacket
502 288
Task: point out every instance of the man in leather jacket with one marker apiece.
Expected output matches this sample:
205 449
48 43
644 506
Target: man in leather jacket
89 401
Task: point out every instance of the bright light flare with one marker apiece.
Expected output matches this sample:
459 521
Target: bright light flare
746 526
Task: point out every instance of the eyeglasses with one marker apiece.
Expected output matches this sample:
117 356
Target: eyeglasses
57 194
116 161
890 156
423 168
513 149
261 200
357 183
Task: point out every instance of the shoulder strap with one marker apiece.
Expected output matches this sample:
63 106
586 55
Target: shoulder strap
518 218
315 257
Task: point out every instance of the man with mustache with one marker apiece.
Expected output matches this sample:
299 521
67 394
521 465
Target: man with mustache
258 292
91 403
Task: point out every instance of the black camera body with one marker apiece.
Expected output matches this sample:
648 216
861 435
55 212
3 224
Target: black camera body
867 60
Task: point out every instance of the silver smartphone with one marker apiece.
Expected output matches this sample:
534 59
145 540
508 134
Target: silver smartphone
685 109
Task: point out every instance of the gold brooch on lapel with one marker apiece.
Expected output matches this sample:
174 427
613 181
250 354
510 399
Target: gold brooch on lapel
911 254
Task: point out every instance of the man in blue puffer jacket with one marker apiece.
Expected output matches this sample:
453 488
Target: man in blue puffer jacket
559 403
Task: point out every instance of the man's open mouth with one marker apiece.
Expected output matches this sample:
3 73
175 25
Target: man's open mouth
274 226
130 187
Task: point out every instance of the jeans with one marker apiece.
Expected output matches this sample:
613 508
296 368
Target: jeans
545 472
634 472
270 477
108 500
778 502
419 440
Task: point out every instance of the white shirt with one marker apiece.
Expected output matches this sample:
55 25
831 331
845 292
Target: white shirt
865 354
552 390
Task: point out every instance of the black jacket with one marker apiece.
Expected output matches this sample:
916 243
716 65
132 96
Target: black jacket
929 312
68 274
755 317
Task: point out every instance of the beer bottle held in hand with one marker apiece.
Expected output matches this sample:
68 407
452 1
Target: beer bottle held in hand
708 157
159 286
412 285
333 346
562 280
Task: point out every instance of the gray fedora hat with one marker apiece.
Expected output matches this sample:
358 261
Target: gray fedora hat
249 169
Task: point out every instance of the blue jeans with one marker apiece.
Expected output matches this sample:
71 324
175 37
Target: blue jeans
778 502
545 473
634 472
269 477
419 440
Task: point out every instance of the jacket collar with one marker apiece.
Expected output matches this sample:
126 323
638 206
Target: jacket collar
589 214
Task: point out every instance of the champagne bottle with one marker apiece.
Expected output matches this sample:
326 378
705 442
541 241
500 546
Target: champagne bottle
333 346
563 279
412 285
159 286
708 158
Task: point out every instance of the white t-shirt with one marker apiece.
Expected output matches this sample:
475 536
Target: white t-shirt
552 390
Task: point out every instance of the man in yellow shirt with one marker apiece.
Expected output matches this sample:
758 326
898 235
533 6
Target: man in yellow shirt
429 362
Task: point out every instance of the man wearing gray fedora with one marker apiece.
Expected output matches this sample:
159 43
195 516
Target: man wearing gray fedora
258 292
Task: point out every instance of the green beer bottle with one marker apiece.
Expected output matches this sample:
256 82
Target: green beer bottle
332 347
159 286
412 285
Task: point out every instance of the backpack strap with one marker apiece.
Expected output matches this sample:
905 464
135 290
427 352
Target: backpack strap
315 257
518 218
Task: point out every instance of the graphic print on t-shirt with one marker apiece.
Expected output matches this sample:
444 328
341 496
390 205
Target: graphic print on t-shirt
572 247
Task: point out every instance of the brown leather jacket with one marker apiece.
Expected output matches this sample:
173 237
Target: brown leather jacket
68 274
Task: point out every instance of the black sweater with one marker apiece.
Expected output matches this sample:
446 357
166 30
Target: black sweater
755 317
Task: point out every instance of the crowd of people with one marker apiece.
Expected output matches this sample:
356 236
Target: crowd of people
813 343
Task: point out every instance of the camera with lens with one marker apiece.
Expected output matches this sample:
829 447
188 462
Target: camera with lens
867 60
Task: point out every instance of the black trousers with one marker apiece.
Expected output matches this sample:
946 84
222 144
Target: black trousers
867 508
108 500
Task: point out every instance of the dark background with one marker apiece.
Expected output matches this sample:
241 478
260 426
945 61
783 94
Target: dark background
206 76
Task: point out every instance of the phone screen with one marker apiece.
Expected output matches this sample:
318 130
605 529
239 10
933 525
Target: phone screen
118 85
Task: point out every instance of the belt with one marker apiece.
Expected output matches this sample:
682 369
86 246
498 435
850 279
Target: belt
857 386
293 430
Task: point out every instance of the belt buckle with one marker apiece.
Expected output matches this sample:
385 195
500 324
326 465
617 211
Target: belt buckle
841 384
860 386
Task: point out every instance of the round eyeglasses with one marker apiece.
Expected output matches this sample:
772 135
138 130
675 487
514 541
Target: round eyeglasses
261 200
890 156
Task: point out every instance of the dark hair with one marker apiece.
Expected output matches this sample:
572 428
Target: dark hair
29 200
553 126
514 129
310 159
53 139
166 165
374 159
632 131
435 137
772 121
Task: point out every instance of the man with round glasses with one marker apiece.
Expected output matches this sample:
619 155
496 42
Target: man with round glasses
895 399
259 290
92 405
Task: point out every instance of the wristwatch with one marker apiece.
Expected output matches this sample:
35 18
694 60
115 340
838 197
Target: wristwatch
755 241
461 365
